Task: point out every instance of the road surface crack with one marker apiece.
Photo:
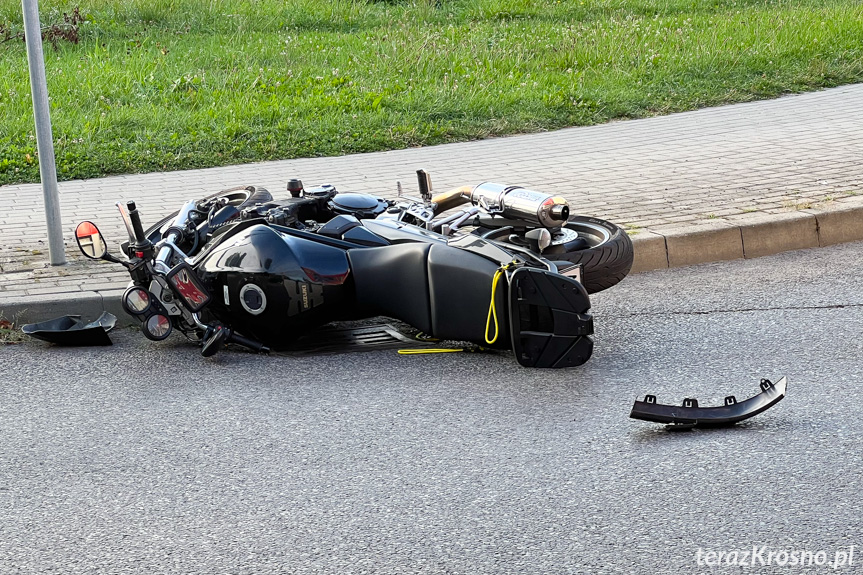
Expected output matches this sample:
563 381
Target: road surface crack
744 310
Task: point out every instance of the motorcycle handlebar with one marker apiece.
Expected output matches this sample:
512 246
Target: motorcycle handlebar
165 252
182 217
135 218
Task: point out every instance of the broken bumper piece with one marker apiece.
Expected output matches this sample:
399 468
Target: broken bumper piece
72 330
690 415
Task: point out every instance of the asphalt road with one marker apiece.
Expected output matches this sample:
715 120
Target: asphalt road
146 458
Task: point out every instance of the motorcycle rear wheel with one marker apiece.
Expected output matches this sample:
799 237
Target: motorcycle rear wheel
603 249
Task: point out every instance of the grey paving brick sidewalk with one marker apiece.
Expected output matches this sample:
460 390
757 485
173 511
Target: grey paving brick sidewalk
709 171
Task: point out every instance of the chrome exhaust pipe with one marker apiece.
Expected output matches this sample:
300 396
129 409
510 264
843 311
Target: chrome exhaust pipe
517 203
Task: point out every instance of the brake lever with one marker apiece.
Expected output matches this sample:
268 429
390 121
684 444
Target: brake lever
402 196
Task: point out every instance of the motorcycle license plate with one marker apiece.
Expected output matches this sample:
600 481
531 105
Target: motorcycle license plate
186 284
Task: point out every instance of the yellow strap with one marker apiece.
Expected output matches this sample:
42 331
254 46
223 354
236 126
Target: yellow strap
427 350
492 311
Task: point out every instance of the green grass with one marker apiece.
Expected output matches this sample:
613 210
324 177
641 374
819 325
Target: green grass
170 84
10 331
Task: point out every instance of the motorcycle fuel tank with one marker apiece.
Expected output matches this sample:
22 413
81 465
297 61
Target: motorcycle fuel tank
272 286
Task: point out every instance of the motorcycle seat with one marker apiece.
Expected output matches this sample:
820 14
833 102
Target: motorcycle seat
440 290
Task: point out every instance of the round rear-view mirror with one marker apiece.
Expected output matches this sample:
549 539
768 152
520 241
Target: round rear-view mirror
90 241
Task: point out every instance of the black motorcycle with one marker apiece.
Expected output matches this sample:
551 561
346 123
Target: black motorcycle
510 270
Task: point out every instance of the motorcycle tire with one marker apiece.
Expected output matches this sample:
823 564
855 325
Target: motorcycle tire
603 249
240 197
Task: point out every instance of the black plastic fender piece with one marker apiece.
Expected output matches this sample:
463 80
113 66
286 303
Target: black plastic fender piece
72 330
691 415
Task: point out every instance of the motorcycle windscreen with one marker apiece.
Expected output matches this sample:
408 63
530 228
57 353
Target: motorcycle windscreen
549 323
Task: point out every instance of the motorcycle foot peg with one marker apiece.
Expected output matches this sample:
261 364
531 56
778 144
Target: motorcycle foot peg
217 336
248 343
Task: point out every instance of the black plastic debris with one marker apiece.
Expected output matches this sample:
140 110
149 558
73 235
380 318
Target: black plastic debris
690 414
72 330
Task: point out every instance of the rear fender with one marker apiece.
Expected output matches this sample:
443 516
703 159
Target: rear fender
549 323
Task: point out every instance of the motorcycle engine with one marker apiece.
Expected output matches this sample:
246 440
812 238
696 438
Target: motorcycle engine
358 205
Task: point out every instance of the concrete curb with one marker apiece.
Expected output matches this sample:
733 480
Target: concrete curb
88 304
734 237
747 236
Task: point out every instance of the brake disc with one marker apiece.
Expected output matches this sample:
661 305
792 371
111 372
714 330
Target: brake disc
562 236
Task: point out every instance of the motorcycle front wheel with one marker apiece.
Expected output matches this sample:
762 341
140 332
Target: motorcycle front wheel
603 249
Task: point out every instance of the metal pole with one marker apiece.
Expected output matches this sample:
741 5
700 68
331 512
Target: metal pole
44 138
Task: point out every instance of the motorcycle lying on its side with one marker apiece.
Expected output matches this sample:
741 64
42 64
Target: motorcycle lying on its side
510 270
